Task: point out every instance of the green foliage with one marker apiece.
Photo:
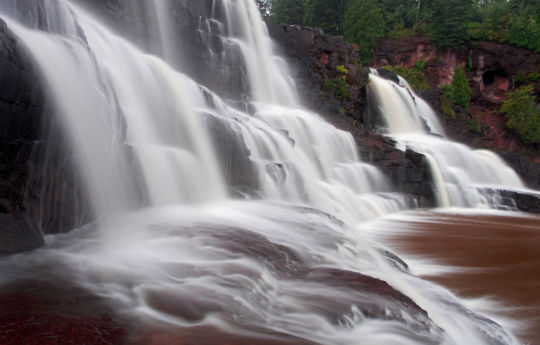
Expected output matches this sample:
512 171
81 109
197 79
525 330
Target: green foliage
446 107
339 86
449 22
468 64
415 77
474 125
325 14
342 70
364 25
458 91
528 78
522 114
461 90
525 32
420 64
287 11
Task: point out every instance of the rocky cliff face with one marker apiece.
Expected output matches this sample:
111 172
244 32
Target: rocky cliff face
20 108
492 70
39 193
315 58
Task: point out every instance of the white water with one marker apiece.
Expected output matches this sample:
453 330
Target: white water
167 227
457 170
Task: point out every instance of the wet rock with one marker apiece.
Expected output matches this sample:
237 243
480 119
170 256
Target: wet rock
234 158
408 171
42 313
387 74
20 108
40 191
524 201
314 58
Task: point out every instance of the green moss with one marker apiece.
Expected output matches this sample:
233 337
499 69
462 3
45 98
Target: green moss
339 86
446 107
474 125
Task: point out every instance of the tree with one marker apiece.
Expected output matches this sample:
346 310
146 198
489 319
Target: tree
325 14
522 114
287 11
449 22
364 25
458 91
525 24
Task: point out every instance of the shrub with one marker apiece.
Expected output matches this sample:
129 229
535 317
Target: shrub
475 126
339 86
446 107
420 65
458 91
522 114
461 89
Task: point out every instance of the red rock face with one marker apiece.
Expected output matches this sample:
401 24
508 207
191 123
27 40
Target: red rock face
501 61
324 59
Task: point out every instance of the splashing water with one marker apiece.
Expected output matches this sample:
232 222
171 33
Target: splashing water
170 244
458 171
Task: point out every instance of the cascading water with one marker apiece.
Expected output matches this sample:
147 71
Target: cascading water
458 171
171 245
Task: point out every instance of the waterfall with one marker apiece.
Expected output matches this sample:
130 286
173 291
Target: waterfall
458 171
174 243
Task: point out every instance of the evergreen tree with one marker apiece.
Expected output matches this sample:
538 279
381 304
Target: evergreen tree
461 92
364 25
449 22
325 14
287 11
522 114
525 24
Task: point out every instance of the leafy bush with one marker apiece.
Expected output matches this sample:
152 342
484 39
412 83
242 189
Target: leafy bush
420 64
522 114
413 76
342 70
525 32
339 86
531 77
363 25
475 126
458 91
446 107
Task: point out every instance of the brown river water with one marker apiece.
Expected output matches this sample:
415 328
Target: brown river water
493 257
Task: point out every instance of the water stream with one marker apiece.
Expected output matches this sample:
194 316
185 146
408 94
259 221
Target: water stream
176 243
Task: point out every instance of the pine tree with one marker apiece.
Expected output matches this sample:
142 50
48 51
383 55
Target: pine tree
364 25
288 11
449 22
325 14
461 92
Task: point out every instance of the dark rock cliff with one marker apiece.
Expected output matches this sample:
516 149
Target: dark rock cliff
39 193
21 105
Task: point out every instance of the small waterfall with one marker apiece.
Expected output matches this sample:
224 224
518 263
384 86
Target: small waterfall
170 238
458 171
